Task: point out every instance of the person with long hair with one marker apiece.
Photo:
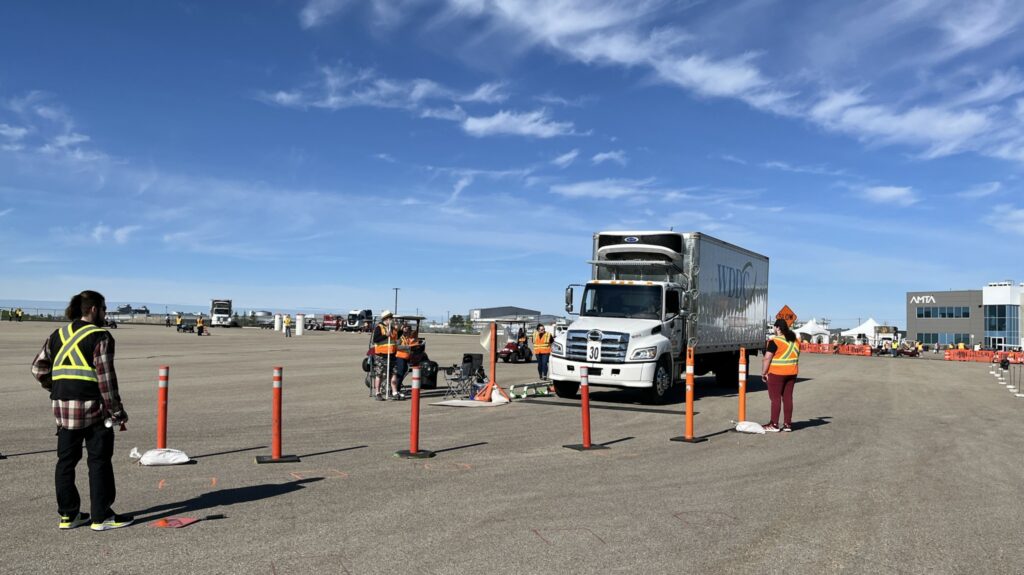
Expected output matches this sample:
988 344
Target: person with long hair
779 369
76 365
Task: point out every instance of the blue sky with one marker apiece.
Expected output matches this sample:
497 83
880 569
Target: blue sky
318 153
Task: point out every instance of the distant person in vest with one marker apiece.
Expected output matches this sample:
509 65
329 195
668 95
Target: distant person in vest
76 365
200 324
177 322
542 349
779 370
287 325
404 354
385 345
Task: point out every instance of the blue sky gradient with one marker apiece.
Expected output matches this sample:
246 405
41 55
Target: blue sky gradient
316 154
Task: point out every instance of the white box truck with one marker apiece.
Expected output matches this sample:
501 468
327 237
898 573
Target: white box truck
652 294
220 313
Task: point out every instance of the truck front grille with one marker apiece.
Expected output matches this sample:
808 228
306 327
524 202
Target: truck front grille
613 345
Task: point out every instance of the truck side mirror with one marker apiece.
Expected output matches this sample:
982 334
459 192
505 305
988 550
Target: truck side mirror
568 299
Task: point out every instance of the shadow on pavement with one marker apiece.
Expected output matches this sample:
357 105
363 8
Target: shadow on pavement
614 441
575 405
222 497
812 422
229 452
460 447
30 453
332 451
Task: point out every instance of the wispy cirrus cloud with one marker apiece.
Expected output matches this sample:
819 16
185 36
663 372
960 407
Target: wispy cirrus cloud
616 156
534 124
1007 218
981 190
896 195
342 86
608 189
566 159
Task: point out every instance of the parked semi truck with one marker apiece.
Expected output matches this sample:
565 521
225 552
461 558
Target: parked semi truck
652 294
220 313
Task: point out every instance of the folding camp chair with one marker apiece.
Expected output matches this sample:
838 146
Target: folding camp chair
461 377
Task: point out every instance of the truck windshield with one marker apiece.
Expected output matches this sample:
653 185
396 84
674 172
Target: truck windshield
632 301
353 317
221 310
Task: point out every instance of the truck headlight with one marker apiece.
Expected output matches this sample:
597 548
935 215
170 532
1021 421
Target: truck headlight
556 348
644 353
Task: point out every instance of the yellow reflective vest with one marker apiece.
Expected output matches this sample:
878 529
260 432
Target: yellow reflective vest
71 363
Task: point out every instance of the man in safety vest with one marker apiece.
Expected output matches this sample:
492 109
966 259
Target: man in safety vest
177 322
200 324
76 365
385 345
542 349
779 369
287 325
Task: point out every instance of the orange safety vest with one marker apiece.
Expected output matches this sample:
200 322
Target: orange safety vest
405 342
541 343
786 357
388 346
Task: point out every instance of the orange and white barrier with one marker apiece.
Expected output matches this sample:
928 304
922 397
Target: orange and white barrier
587 445
687 436
743 385
162 381
414 451
275 434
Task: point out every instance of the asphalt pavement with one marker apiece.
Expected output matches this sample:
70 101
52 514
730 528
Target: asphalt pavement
894 466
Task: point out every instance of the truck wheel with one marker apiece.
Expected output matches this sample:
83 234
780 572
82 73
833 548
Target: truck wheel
566 389
661 386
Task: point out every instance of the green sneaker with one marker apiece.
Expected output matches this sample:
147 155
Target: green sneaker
67 522
113 522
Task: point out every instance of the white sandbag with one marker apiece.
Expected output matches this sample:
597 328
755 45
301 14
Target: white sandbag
750 427
497 396
135 453
163 457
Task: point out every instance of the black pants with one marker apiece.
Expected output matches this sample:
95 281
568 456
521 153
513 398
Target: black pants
99 443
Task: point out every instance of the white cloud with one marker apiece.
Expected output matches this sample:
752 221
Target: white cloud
12 132
943 131
315 12
122 234
534 124
99 232
981 190
460 185
453 114
490 93
797 169
385 157
72 139
5 212
617 156
977 23
605 189
1007 218
566 159
900 196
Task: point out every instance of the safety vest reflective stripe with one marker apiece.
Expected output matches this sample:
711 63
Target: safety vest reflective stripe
387 347
784 361
541 343
77 367
405 342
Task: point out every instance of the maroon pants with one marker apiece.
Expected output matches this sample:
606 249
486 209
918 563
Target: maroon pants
780 390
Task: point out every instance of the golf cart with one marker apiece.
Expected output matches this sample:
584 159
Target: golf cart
517 348
417 355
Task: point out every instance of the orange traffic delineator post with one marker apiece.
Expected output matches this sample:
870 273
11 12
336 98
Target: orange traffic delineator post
414 451
275 448
743 384
585 413
688 434
163 379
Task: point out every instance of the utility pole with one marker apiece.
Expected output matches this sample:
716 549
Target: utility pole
396 300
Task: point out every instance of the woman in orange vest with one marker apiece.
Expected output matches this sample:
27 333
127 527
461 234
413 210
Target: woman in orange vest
385 344
779 370
542 349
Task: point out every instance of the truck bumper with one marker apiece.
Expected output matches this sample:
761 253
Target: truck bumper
604 374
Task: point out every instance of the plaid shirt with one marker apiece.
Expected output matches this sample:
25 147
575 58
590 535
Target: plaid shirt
79 414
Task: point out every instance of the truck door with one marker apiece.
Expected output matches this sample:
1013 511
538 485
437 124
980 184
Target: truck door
673 326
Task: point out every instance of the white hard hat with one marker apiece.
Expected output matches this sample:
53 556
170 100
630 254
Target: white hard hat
386 314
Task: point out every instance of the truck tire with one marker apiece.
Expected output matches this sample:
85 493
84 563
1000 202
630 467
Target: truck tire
661 386
566 389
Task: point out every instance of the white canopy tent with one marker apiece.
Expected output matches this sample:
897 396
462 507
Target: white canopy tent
813 332
867 330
